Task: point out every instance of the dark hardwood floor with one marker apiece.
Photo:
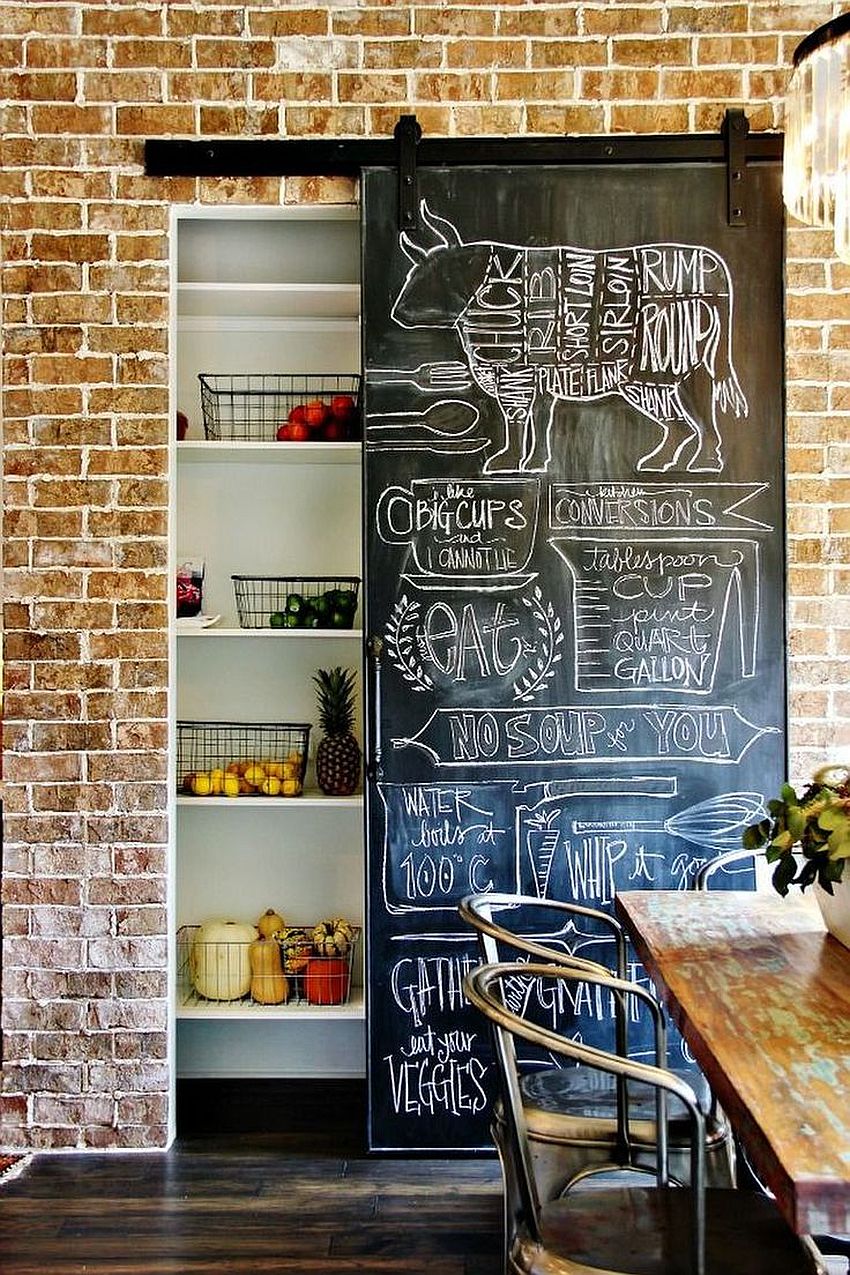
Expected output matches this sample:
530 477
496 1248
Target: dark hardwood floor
281 1184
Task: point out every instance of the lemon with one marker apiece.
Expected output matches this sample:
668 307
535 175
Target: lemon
290 788
216 782
201 784
270 786
274 769
291 769
254 774
230 785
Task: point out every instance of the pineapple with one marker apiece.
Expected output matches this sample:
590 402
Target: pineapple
338 754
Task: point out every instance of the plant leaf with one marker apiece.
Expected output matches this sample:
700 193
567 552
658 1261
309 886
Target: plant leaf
783 874
756 835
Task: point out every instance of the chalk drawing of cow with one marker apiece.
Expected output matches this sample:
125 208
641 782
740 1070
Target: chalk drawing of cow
651 323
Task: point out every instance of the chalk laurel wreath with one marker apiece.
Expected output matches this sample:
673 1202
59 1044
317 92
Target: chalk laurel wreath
403 642
548 626
401 632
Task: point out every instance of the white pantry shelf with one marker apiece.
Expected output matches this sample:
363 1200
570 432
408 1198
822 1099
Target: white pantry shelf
195 1006
310 797
236 451
277 634
269 300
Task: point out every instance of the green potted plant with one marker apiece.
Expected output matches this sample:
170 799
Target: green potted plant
807 836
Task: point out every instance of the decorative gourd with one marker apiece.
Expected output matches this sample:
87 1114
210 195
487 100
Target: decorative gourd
333 938
326 980
269 922
269 984
296 947
220 964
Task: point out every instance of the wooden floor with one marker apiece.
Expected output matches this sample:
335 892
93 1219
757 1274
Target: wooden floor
283 1186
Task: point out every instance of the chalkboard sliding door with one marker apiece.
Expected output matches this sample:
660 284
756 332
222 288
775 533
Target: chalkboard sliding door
574 582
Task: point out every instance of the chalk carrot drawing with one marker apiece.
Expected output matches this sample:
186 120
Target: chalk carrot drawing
651 323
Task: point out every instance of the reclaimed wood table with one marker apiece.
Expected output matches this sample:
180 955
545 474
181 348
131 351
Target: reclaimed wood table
761 994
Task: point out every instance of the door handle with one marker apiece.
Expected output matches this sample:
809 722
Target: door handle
374 766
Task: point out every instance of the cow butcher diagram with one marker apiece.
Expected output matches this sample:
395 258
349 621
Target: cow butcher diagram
650 323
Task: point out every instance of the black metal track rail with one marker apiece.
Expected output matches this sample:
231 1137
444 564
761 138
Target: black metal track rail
334 157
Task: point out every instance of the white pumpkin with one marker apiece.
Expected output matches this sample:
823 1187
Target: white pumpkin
221 962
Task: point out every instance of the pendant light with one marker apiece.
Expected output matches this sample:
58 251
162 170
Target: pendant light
816 176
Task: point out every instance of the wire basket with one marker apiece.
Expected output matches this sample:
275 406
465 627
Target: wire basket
221 971
256 406
296 602
235 759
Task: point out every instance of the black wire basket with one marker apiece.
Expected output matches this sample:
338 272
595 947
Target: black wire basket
269 407
296 602
238 759
218 970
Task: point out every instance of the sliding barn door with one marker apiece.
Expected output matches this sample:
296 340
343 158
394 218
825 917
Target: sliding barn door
574 528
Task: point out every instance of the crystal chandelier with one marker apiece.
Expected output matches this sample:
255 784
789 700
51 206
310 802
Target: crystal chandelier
816 178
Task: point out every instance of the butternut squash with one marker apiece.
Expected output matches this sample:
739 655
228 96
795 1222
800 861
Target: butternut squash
269 984
269 922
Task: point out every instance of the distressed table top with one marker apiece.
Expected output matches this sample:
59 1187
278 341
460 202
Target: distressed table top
762 996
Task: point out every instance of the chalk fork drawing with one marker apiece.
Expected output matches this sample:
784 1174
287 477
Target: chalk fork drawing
651 323
428 377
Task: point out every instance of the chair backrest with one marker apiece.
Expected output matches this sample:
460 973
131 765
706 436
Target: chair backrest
498 919
723 861
485 989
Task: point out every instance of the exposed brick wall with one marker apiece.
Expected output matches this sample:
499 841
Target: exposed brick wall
85 403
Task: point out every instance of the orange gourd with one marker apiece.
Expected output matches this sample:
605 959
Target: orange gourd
326 981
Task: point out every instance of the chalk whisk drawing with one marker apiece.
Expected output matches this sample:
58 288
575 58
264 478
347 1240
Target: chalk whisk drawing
651 323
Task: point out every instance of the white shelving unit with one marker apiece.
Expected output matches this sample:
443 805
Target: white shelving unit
264 290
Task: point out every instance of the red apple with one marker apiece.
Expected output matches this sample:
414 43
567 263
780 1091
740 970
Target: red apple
297 415
299 432
283 433
335 430
343 406
315 413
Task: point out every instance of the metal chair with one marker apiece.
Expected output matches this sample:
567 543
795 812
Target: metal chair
619 1229
571 1115
721 864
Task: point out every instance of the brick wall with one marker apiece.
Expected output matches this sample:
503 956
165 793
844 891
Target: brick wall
86 422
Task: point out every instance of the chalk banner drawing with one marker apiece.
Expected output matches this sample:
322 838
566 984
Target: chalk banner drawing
651 323
573 579
478 738
671 508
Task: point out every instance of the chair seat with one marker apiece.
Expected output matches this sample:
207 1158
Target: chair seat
574 1091
570 1115
647 1231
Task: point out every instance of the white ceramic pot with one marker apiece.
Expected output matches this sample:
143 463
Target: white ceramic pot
835 908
